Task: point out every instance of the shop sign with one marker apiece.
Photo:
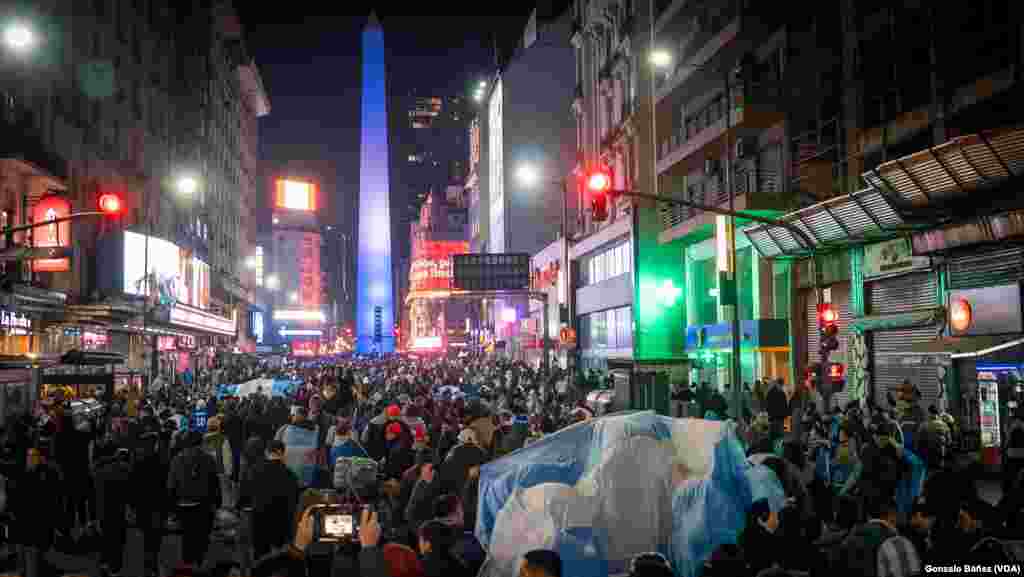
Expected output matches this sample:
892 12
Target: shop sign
52 236
194 318
15 323
72 332
187 342
892 257
166 343
543 278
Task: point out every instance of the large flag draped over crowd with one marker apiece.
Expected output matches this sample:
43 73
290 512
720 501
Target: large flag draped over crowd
604 490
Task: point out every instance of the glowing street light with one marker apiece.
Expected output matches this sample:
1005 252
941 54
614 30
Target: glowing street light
293 297
250 262
661 58
483 84
19 37
272 282
187 185
528 175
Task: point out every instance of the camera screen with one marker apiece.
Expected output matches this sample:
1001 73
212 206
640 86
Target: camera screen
337 525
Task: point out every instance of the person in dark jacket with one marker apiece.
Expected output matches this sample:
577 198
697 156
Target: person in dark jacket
435 544
150 503
761 545
194 486
399 452
272 491
253 457
113 485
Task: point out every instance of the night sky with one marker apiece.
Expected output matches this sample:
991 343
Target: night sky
308 55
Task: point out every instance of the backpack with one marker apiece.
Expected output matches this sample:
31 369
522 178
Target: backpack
194 481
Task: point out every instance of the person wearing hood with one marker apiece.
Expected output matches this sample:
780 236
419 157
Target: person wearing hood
113 475
761 545
218 446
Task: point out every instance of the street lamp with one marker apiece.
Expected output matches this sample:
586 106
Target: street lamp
250 263
293 297
187 185
661 58
528 175
272 282
19 37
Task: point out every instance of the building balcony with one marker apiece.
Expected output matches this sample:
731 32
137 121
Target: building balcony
695 225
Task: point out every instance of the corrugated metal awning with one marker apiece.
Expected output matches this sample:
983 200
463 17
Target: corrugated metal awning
956 167
865 214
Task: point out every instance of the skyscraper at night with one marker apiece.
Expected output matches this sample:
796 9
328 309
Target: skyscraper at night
375 311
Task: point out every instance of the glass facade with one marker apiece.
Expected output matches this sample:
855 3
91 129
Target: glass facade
607 264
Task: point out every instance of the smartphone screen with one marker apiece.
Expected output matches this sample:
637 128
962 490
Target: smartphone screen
337 525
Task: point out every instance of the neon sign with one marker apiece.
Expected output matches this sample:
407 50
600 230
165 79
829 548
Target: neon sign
54 235
15 323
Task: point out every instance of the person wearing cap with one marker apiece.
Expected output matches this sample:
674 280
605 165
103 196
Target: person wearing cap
373 439
400 456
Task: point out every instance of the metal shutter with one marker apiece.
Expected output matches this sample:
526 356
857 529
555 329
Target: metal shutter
999 267
888 370
895 295
903 294
841 300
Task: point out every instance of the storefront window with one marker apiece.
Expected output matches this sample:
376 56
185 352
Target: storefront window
706 283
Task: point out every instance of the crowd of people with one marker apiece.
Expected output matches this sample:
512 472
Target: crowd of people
396 445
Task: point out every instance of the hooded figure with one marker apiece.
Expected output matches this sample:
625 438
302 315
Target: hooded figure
340 443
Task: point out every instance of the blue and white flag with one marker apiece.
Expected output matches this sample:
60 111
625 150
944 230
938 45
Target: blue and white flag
579 492
300 453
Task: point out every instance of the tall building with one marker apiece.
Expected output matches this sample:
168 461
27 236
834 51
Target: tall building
255 105
299 311
528 128
129 110
375 297
429 147
477 202
435 321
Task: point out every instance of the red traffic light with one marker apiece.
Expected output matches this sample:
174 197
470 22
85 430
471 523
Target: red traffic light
836 371
110 204
827 315
599 181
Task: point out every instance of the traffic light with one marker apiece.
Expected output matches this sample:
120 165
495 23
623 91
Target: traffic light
828 327
110 204
599 186
837 376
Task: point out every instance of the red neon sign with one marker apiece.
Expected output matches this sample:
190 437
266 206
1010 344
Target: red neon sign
55 236
431 267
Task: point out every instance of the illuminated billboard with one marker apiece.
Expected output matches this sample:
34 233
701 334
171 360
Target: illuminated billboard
431 267
496 170
174 274
295 195
52 236
309 271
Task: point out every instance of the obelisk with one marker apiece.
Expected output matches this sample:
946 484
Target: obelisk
375 312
